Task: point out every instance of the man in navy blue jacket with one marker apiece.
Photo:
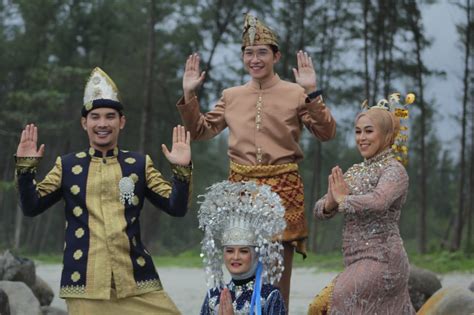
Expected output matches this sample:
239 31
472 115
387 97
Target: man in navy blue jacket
106 267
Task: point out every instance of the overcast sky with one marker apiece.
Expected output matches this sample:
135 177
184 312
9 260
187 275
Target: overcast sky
445 54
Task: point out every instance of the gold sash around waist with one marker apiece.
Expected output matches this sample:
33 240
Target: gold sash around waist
263 170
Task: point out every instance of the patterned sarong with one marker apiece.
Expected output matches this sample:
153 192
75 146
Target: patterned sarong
286 181
321 303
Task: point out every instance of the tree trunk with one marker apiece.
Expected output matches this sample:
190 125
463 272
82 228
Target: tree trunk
366 8
456 243
222 28
315 193
414 19
18 225
148 79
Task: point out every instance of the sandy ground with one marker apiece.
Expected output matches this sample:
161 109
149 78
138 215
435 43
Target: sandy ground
186 286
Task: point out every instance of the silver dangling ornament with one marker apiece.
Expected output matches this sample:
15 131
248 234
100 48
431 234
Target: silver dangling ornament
126 186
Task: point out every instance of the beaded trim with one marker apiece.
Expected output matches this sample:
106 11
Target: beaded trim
27 164
182 173
150 284
72 290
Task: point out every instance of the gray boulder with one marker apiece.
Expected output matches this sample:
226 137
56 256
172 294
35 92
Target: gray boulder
422 284
449 301
4 303
50 310
42 291
471 286
13 268
21 298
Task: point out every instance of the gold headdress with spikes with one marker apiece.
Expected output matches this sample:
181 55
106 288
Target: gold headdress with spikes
100 91
400 146
257 33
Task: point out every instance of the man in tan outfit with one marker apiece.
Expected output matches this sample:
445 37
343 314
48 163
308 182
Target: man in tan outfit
265 117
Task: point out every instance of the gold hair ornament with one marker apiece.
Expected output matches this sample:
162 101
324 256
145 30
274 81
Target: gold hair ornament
400 145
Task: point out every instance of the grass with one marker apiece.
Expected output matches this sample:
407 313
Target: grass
439 262
444 262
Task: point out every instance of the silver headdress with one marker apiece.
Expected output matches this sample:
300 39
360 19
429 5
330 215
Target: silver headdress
241 213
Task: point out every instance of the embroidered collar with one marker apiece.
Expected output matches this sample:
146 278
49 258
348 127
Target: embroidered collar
243 281
96 153
270 83
241 285
384 155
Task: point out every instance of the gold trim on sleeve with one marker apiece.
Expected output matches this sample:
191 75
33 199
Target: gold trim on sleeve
26 164
183 173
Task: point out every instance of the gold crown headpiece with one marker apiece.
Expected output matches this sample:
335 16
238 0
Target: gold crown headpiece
257 33
100 91
400 146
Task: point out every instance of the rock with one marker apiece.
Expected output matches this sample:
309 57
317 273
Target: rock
42 291
471 286
22 300
449 301
4 303
422 284
17 269
50 310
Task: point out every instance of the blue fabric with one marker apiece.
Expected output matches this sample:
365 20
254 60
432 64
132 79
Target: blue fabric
257 292
271 299
33 204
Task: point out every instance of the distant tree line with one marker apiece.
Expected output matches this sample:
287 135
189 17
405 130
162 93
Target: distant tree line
361 49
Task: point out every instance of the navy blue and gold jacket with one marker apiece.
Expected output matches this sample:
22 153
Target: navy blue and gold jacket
102 239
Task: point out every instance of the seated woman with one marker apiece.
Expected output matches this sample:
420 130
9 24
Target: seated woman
370 195
241 222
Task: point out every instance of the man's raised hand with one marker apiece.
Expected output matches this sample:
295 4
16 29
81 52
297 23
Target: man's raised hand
181 148
193 77
305 75
28 146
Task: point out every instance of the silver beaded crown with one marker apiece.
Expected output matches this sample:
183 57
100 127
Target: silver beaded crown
241 213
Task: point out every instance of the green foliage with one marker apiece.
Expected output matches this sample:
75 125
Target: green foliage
444 262
49 47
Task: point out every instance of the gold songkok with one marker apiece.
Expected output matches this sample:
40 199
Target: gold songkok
257 33
100 91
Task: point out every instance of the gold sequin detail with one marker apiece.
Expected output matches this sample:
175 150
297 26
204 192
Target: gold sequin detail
134 177
147 284
133 219
130 160
77 254
76 276
79 232
76 170
258 117
141 261
65 225
91 151
88 106
75 189
77 211
134 241
81 155
75 290
135 200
